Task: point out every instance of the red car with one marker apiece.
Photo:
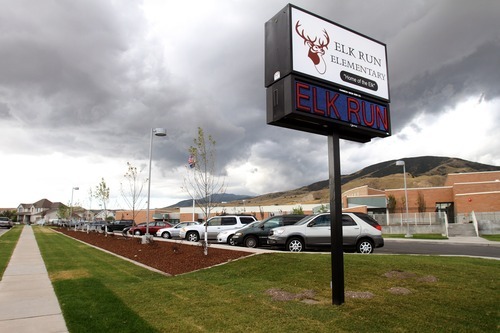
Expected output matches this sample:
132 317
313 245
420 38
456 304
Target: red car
153 228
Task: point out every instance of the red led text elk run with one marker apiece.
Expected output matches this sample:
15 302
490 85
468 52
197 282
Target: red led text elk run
331 104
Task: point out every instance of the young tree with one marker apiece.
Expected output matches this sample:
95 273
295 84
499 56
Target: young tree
63 212
11 214
202 181
391 203
132 193
102 195
403 203
421 202
322 209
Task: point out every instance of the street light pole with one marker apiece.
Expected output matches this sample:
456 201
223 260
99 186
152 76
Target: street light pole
71 204
402 163
157 132
193 209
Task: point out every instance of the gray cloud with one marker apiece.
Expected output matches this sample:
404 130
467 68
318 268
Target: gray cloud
92 78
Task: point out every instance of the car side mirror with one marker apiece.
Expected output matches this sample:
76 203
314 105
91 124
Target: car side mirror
311 224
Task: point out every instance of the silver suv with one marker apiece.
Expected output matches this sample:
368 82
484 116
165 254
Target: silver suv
215 225
5 222
361 233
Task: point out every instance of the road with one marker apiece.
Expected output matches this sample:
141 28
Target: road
395 246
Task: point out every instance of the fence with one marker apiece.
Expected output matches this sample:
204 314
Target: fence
418 223
437 223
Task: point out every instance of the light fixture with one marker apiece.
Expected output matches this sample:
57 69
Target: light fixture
76 188
154 132
402 163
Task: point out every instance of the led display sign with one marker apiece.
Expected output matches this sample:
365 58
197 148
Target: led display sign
307 106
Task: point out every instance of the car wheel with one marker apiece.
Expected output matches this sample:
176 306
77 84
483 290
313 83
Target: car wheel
230 240
295 245
137 233
364 246
192 236
251 241
166 235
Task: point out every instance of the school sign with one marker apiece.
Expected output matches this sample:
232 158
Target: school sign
323 78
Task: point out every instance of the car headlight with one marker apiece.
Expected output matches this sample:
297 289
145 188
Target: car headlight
278 231
238 234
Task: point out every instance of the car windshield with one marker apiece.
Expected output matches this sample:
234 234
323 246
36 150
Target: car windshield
253 224
306 219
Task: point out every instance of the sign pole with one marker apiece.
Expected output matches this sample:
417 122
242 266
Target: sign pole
337 254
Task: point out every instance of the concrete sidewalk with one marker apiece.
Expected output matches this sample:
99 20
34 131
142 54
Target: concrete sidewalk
451 240
27 300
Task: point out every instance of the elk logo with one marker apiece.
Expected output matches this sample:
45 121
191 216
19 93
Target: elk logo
316 49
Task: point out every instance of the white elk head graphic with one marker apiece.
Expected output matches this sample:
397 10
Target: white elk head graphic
316 49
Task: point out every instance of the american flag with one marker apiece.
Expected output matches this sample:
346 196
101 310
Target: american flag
191 161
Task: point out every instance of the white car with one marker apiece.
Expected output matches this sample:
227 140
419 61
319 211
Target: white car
173 232
226 236
214 226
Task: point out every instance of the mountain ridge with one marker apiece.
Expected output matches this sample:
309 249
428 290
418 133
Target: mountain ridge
422 171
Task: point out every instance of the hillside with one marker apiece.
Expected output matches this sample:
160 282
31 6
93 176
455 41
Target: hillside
425 171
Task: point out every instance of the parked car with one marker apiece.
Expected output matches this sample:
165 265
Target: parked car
126 230
97 226
173 232
226 236
5 222
360 233
214 225
153 227
256 235
117 225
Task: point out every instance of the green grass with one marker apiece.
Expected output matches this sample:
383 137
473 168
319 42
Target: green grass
494 238
417 236
102 293
8 242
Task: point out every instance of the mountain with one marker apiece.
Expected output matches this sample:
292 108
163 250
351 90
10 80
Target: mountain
424 171
215 198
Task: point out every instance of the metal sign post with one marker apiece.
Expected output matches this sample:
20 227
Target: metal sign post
337 253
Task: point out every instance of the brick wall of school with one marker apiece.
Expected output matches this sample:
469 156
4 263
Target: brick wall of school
140 216
477 202
431 196
471 177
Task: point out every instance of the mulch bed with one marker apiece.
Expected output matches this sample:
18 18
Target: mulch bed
169 257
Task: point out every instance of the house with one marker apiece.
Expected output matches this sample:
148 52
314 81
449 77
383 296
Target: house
41 210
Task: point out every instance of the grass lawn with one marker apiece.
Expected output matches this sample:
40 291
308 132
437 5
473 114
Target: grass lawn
8 242
495 238
99 292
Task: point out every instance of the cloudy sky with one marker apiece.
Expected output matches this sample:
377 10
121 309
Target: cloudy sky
82 82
